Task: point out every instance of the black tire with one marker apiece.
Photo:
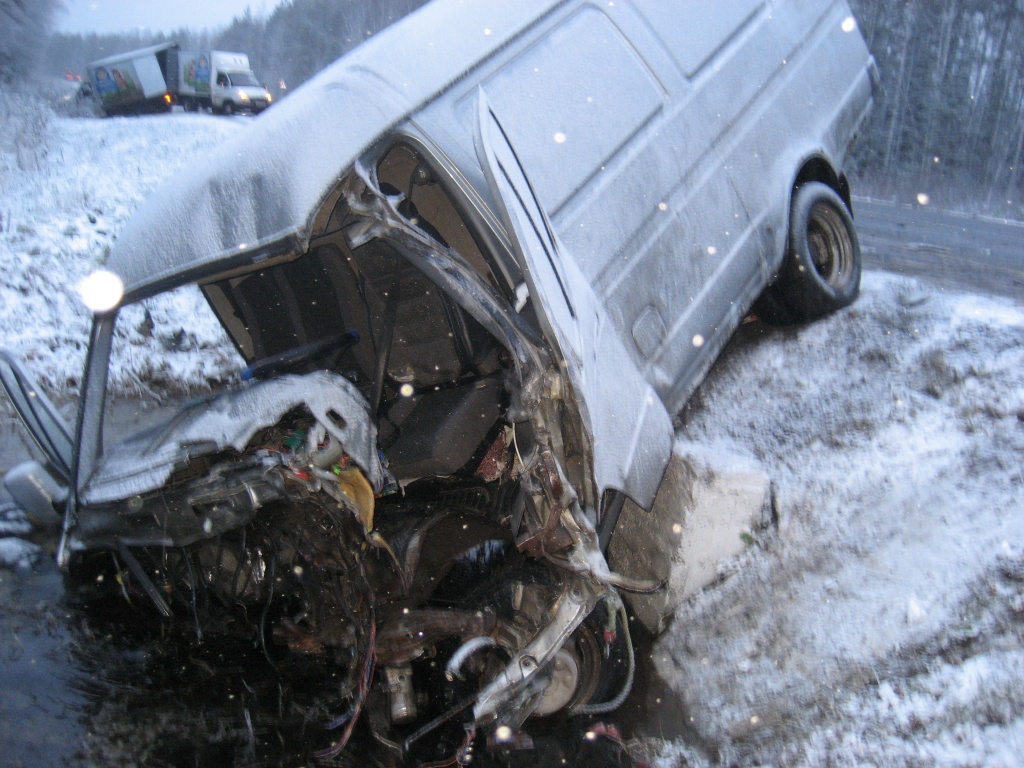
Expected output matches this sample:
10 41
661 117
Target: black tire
228 108
771 307
821 273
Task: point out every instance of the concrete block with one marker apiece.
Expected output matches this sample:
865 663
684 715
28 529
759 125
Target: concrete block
708 503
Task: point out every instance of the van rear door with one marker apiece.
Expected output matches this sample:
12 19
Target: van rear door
629 429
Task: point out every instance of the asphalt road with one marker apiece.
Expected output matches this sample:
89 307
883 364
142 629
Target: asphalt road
955 251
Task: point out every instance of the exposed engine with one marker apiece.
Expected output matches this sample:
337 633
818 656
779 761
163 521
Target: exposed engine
420 598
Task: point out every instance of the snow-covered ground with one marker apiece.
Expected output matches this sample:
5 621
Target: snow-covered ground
67 186
880 622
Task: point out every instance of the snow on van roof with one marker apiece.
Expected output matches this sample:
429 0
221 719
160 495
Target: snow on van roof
256 194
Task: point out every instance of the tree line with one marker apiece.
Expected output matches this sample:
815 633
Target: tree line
293 43
948 121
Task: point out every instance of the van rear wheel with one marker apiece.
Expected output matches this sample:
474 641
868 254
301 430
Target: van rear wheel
821 273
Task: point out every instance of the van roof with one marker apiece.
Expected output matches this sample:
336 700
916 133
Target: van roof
255 195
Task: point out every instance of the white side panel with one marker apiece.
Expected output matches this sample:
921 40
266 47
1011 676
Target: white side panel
151 79
629 429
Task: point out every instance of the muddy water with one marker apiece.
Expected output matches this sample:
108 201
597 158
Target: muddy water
39 706
80 688
95 688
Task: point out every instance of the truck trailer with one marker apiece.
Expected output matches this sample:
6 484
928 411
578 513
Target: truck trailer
135 82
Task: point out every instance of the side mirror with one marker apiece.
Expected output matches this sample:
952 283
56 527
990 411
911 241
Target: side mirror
37 494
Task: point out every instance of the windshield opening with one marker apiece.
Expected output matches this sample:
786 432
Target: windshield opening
400 323
354 304
193 355
244 79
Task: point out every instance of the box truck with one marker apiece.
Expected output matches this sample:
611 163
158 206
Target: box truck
156 78
221 81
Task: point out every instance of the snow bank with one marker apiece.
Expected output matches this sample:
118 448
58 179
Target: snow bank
16 553
67 186
893 436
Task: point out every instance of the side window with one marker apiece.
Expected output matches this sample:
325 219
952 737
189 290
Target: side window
695 30
429 203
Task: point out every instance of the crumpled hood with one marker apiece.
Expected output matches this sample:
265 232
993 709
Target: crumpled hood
146 461
256 194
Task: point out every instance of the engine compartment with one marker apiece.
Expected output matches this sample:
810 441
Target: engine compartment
419 599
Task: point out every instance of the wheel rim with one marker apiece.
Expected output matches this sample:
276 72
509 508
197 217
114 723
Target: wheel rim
830 245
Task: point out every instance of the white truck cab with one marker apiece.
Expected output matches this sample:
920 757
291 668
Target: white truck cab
233 85
221 81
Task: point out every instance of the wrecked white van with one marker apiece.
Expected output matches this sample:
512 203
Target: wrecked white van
479 264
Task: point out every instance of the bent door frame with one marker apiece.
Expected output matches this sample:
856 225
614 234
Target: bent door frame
630 430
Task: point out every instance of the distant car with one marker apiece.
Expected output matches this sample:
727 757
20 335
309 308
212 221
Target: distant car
482 260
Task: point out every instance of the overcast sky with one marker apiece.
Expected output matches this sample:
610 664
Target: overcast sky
103 16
